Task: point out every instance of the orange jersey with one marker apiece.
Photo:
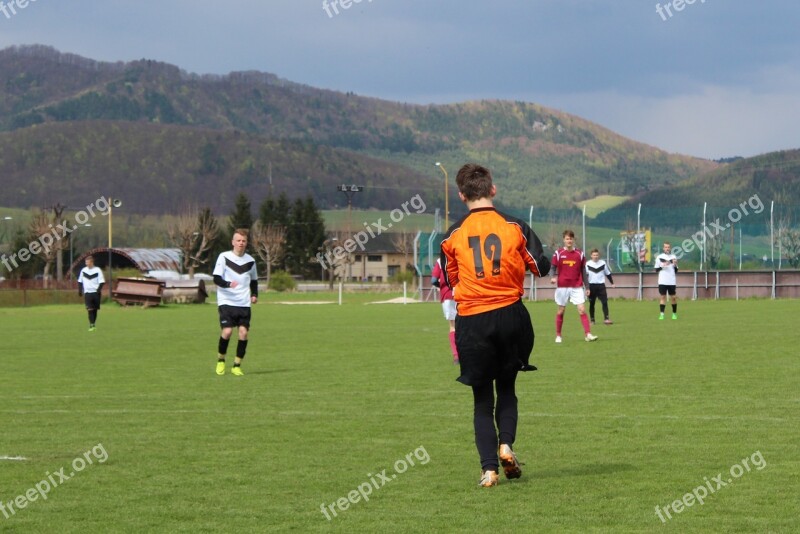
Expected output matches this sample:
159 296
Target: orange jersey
485 255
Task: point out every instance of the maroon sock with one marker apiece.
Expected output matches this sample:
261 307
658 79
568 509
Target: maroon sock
559 323
453 344
585 323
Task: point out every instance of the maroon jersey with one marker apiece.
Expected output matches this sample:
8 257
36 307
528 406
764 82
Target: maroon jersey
569 265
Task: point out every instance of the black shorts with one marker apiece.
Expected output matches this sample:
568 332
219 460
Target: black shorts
663 290
233 316
598 291
494 344
92 300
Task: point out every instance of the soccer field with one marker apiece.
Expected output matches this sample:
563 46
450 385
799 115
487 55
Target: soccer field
349 419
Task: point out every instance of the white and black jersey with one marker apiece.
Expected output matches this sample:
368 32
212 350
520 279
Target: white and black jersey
597 272
239 269
90 279
666 269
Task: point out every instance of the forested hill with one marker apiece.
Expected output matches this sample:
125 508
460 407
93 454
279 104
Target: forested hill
540 156
161 168
772 177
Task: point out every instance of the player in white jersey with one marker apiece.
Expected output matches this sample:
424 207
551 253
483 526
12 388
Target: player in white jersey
237 289
596 273
666 265
90 286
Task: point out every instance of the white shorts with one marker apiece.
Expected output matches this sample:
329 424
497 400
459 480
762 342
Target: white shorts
575 295
449 309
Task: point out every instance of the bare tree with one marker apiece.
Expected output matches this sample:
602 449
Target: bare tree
43 243
194 234
714 249
269 242
790 242
403 242
334 258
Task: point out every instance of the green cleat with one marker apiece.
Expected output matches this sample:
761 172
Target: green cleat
92 328
237 371
220 368
674 316
661 317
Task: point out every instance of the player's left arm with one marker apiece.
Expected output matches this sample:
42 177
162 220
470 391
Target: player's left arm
533 254
253 285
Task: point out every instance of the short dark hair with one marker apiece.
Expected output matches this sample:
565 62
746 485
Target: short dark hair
593 251
89 257
568 233
474 181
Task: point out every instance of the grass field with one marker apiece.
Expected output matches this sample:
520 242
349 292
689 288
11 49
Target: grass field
335 395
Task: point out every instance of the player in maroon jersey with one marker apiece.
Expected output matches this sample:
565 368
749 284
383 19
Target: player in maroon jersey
568 266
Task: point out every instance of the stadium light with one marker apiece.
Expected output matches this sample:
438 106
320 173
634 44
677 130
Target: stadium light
446 207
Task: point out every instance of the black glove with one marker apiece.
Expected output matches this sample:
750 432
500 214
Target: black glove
435 282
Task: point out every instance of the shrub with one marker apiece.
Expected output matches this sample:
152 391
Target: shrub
281 281
402 276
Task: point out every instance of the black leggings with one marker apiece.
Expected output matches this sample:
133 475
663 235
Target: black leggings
598 291
487 436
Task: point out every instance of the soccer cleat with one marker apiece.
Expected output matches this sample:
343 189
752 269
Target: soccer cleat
590 337
220 368
509 462
237 371
608 321
661 317
488 479
674 316
92 328
558 339
592 321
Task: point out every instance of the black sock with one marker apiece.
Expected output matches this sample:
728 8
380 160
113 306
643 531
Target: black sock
241 348
92 316
674 308
662 306
221 360
237 364
223 346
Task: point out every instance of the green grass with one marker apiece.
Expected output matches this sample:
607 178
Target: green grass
597 205
607 430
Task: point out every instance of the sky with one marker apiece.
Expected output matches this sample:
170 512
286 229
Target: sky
710 78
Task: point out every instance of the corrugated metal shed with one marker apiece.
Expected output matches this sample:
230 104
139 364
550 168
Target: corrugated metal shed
144 259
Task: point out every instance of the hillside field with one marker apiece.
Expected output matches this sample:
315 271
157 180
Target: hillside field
334 395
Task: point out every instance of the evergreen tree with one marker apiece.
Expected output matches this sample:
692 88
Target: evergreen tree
241 216
305 235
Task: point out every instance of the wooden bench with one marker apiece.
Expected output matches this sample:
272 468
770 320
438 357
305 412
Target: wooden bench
138 291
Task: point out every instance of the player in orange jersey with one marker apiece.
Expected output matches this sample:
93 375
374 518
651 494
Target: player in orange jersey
485 255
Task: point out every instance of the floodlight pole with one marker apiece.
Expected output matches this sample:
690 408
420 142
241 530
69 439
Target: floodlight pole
112 203
349 191
446 200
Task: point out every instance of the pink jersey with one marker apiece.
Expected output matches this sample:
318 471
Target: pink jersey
569 265
445 293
